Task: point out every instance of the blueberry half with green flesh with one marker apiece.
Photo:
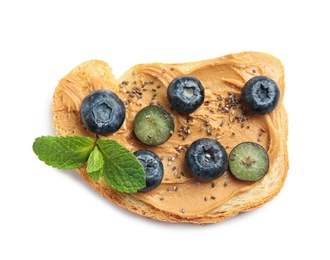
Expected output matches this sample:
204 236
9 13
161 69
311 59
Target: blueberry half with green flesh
185 94
206 159
249 161
153 125
261 94
153 167
102 112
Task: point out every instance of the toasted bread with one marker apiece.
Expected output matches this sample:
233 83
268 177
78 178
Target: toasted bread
180 197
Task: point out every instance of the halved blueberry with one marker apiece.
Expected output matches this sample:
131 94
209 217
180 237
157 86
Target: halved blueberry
153 168
185 94
249 161
261 94
153 125
206 159
102 112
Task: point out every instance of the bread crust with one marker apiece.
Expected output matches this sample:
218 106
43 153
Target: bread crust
99 74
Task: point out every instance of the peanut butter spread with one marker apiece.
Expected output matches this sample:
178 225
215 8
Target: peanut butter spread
222 117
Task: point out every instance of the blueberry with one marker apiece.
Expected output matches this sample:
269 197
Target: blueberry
153 168
102 112
206 159
185 94
261 94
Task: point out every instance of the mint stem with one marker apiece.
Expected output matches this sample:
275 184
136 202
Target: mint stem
97 137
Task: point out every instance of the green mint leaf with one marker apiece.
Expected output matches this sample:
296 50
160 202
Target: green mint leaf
69 152
95 164
122 171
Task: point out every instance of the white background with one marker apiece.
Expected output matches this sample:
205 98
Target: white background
52 214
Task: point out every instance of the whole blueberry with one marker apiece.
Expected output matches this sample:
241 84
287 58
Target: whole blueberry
261 94
185 94
153 168
102 112
206 159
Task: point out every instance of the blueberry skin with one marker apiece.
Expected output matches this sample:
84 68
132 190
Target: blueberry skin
102 112
153 167
185 94
261 94
206 159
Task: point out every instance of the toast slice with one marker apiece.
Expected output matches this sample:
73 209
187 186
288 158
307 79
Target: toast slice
180 197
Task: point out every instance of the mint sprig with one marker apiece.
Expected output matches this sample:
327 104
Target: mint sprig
119 167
